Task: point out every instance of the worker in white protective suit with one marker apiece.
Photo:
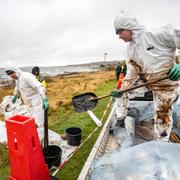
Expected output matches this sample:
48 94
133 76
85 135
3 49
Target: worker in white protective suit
151 55
31 92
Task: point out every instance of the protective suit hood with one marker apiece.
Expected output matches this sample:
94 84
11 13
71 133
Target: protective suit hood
126 21
16 70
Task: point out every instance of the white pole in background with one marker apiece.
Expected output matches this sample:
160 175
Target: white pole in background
105 54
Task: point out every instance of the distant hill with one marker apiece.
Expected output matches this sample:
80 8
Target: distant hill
56 70
98 63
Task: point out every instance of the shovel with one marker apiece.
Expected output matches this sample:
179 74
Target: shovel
52 153
46 142
88 101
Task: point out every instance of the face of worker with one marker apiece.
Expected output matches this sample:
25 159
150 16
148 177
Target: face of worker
125 35
36 73
13 75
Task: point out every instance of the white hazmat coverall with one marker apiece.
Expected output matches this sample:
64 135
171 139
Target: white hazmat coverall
151 54
31 92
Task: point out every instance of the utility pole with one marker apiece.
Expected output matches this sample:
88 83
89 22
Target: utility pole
105 54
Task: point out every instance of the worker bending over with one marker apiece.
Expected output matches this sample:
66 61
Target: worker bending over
151 55
31 92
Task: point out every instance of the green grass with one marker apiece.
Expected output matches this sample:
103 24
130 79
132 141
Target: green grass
66 117
4 162
75 164
4 173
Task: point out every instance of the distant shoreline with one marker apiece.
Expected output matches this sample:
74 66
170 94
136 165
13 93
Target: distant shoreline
62 70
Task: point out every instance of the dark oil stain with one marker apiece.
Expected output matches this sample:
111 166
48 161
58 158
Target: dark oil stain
84 102
163 111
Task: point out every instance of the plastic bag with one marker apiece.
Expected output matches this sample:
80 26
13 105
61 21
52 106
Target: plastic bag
147 161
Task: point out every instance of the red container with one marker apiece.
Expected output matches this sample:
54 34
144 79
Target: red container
25 153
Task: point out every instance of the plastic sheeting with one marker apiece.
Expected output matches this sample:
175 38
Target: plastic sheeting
3 135
54 139
176 116
147 161
144 110
137 111
9 109
126 136
123 138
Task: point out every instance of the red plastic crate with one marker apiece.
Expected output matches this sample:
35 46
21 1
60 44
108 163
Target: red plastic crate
25 153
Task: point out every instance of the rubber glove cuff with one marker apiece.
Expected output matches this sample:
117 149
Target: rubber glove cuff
174 73
45 103
14 99
116 93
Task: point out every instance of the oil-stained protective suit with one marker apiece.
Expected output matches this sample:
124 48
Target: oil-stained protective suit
151 55
31 91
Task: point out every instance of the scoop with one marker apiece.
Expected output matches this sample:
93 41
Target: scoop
88 101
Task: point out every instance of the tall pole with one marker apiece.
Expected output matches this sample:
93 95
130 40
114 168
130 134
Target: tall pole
105 54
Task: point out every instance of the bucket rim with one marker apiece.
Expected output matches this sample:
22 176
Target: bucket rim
53 145
74 128
57 148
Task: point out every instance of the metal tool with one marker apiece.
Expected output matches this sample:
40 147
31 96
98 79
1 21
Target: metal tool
46 142
52 153
88 101
82 102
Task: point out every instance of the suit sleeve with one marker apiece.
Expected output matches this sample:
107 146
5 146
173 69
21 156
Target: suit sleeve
16 90
131 76
35 84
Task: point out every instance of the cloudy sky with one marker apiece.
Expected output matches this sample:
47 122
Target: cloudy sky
63 32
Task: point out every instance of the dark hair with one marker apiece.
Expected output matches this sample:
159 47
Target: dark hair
120 30
9 72
35 70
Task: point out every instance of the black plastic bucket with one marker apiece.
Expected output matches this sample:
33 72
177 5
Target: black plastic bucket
52 155
74 136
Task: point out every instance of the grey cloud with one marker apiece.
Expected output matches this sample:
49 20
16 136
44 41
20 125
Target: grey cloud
68 32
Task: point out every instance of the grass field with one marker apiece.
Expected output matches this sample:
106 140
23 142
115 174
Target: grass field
60 91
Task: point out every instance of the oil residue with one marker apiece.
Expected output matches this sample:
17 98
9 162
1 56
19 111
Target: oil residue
84 102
